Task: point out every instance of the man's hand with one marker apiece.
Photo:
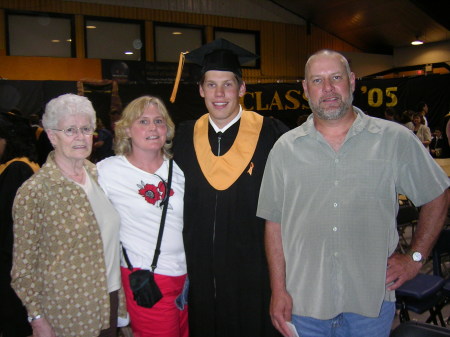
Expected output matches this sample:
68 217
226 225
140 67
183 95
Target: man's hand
281 311
42 328
401 268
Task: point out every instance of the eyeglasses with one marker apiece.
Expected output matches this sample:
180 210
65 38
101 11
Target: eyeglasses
70 131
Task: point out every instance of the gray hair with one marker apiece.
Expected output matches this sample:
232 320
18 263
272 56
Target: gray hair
329 53
65 105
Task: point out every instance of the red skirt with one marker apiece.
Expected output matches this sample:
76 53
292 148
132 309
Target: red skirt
164 319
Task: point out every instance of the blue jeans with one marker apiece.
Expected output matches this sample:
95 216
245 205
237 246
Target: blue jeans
347 324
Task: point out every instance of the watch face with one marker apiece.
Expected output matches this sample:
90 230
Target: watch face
417 256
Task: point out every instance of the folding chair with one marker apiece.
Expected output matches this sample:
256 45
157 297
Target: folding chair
417 329
407 217
441 255
421 294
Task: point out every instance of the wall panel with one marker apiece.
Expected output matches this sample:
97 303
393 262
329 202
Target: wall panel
49 68
284 47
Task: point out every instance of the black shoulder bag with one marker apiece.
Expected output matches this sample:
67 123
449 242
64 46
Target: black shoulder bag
142 282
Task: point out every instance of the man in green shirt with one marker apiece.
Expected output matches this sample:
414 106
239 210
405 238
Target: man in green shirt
329 195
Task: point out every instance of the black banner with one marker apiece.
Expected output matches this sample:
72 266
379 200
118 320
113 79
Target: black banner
373 96
284 101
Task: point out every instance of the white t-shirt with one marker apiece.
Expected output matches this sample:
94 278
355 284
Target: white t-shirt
136 195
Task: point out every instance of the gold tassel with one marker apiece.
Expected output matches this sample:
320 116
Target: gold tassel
178 77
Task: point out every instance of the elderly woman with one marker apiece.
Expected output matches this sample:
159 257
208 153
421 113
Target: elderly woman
135 180
66 245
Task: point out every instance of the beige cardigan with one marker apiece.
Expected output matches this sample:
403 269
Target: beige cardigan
58 265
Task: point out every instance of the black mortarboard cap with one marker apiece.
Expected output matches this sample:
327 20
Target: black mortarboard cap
219 54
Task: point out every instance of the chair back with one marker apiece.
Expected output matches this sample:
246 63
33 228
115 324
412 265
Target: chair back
407 215
441 248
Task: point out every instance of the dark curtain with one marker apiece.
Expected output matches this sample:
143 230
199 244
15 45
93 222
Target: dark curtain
30 97
283 101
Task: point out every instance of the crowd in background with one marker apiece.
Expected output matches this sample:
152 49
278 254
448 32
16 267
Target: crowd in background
435 140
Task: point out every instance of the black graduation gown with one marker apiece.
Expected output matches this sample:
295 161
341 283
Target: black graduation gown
13 315
224 240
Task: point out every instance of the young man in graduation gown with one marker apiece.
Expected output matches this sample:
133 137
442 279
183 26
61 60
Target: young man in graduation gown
223 155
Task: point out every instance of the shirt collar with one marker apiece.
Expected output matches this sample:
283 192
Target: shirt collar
361 122
226 127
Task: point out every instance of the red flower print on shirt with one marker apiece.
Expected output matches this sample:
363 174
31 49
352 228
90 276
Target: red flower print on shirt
162 189
153 194
150 193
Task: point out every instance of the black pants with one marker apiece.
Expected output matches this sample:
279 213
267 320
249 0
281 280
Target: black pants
114 304
13 315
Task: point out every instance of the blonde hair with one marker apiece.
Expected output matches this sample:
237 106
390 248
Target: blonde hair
131 113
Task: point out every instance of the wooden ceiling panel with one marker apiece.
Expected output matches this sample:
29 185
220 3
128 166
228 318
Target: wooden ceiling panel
375 26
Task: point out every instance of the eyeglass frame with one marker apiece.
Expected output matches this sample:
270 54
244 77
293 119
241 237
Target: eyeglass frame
80 129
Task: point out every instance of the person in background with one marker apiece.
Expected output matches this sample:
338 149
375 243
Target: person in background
404 118
421 130
422 109
17 163
329 195
389 114
408 116
66 233
102 143
223 155
437 144
135 181
114 116
43 145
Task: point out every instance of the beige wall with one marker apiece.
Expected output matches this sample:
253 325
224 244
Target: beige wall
424 54
284 47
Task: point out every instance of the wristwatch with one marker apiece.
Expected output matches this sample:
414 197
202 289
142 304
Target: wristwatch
33 318
416 256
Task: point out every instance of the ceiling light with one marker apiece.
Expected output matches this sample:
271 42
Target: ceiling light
55 41
128 53
417 42
91 27
177 33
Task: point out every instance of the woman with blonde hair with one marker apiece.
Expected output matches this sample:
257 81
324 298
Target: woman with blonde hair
421 130
139 182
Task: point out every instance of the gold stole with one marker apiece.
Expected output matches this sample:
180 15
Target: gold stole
222 171
33 165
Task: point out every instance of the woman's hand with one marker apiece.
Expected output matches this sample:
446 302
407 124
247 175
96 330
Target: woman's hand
42 328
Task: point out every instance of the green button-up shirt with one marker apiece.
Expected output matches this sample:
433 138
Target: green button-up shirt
337 210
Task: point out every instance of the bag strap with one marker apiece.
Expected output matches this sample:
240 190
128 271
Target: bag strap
127 260
163 218
161 226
